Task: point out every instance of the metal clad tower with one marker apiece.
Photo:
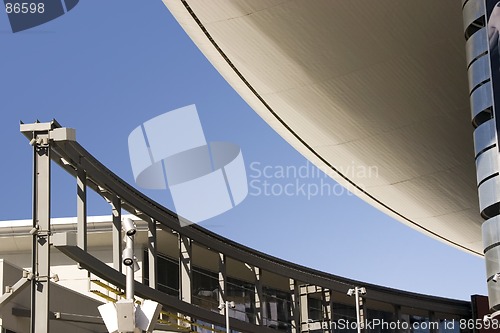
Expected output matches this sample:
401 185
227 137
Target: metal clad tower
481 27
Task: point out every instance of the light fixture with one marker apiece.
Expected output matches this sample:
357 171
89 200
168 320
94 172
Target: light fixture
128 256
129 226
227 305
357 291
230 304
125 316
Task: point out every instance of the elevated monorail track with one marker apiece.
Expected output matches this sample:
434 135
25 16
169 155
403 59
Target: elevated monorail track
71 156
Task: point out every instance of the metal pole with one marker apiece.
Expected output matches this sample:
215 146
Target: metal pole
129 286
41 236
356 294
227 317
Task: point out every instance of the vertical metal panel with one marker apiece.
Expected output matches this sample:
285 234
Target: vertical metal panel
116 206
484 136
492 22
486 165
152 254
492 258
222 281
397 317
294 306
481 99
185 279
327 299
473 10
488 193
41 256
479 72
81 207
476 45
259 297
304 308
433 319
491 231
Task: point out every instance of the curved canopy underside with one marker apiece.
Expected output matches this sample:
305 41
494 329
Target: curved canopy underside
380 85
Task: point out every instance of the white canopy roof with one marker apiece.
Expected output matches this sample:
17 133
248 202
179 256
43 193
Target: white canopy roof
358 84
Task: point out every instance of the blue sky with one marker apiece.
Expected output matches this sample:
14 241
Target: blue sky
106 67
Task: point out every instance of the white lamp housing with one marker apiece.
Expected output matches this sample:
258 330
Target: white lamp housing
108 314
146 315
129 226
125 314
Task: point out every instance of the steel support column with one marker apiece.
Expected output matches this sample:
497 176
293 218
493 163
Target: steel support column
304 308
222 281
185 272
185 268
41 236
294 306
327 300
152 254
432 320
397 317
116 204
259 297
81 207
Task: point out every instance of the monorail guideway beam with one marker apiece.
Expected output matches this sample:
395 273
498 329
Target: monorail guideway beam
50 141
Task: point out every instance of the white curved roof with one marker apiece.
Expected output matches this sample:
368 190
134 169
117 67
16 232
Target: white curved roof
352 84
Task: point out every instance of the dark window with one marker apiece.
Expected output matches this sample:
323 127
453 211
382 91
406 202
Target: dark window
168 274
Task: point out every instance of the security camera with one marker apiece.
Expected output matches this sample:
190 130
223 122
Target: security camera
352 291
128 257
129 227
495 277
231 305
